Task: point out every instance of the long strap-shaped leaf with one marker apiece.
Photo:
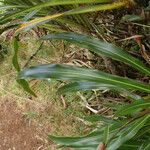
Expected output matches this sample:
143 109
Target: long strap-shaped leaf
100 47
22 82
130 108
41 20
70 73
127 133
77 86
53 3
88 142
9 7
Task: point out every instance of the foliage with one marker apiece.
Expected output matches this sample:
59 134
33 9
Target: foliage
14 11
118 134
128 129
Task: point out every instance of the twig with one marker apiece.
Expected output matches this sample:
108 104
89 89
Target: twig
91 109
142 49
63 101
129 38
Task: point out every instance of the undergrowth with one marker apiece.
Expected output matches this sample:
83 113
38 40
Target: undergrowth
112 63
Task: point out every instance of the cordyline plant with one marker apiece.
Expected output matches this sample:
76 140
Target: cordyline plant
129 129
126 132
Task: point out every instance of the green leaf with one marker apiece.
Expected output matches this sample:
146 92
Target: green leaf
10 7
131 18
100 47
130 145
145 145
77 74
33 23
30 15
145 131
133 107
15 57
106 135
51 3
100 118
95 8
26 87
77 86
42 20
90 141
50 27
127 133
22 82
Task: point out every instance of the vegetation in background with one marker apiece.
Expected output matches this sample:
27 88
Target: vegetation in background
128 125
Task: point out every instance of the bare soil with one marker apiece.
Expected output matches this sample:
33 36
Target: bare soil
17 133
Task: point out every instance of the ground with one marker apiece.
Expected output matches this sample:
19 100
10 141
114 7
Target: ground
17 132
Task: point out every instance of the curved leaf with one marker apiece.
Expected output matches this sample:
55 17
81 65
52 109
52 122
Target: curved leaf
128 133
2 8
71 73
51 3
38 21
130 145
106 134
100 47
41 20
30 15
22 82
100 118
130 108
88 9
90 141
77 86
145 146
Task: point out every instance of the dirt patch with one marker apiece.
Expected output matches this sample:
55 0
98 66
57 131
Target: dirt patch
16 133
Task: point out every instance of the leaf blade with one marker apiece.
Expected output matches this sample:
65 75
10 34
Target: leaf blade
16 65
77 74
130 108
128 133
101 48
